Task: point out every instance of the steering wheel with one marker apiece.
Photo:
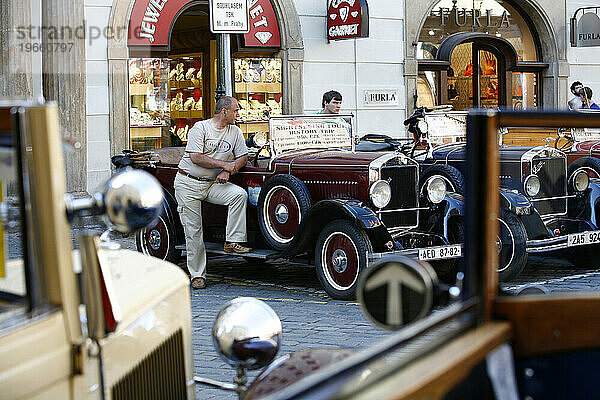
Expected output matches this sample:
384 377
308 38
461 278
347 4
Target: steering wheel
567 138
254 160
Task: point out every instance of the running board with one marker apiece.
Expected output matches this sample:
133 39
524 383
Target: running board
217 248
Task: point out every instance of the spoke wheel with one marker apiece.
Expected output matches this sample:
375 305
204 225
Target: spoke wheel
158 241
282 202
341 254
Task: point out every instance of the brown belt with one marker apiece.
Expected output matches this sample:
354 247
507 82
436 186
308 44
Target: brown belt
182 172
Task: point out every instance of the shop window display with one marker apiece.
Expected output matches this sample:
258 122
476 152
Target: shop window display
148 112
185 94
258 89
167 97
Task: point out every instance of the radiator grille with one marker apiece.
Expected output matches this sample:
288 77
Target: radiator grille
404 195
161 375
552 177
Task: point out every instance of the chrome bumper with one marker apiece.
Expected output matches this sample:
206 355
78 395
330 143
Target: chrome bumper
556 243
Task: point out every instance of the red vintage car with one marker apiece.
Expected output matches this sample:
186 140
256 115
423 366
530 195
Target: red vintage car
582 147
312 195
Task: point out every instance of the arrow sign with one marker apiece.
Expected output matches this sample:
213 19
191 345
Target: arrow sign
395 292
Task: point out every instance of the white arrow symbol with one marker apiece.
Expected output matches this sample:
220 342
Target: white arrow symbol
394 277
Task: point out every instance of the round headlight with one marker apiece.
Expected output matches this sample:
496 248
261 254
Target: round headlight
436 190
581 181
381 194
423 126
532 185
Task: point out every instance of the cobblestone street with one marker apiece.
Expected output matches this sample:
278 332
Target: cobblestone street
311 319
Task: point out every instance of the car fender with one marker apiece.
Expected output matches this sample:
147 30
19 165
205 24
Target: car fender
325 211
591 199
519 205
515 202
454 206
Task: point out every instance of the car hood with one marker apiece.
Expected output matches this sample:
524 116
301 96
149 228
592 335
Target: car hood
335 158
458 152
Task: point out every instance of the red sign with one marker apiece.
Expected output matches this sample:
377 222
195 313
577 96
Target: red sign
151 21
264 29
347 19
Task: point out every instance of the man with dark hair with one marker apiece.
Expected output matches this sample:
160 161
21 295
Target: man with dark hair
577 90
215 150
331 103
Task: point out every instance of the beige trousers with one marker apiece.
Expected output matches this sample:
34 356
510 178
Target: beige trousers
190 194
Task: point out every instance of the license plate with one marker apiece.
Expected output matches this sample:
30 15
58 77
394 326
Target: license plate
583 238
441 252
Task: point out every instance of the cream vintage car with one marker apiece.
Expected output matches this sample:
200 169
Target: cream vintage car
121 330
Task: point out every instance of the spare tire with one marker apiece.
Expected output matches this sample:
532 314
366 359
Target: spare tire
283 201
455 182
591 165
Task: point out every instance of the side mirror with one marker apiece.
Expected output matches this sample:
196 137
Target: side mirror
247 333
130 200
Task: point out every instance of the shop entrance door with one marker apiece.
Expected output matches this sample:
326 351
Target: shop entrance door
477 78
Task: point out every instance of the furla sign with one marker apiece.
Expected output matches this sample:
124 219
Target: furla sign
585 32
381 97
347 19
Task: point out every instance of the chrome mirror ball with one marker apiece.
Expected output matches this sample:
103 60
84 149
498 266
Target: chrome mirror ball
247 333
132 200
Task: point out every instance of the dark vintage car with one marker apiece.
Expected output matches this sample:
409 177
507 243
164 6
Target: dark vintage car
311 194
483 343
543 208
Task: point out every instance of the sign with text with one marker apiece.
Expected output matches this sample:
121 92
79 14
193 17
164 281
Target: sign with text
381 97
287 133
588 30
585 134
229 16
449 127
264 28
347 19
150 21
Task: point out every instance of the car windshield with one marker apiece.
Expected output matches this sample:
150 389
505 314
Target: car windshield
289 133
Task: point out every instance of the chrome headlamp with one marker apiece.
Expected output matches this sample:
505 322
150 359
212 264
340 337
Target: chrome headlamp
581 181
532 185
380 193
436 190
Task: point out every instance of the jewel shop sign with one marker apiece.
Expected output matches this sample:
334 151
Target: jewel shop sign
347 19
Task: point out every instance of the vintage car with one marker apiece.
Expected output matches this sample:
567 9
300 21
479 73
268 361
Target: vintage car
543 209
483 344
582 147
96 323
311 194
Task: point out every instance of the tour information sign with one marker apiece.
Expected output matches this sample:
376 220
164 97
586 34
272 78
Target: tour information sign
310 132
229 16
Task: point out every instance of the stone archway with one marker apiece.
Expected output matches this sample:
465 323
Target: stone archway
291 53
545 17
